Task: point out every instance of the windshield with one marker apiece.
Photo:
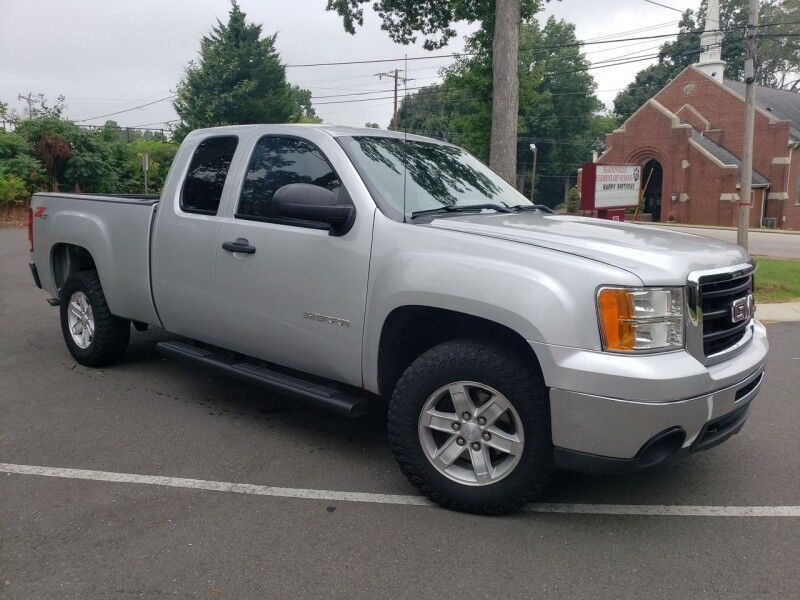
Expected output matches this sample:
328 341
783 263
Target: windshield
438 176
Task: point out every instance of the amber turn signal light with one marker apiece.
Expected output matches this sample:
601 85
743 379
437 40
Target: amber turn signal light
616 310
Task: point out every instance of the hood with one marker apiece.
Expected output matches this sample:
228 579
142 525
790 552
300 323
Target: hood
657 255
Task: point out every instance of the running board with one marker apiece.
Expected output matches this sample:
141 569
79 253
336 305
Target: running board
349 404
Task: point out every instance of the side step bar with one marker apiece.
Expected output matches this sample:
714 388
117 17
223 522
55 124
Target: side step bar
349 404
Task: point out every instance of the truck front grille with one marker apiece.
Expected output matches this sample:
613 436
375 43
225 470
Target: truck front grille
717 298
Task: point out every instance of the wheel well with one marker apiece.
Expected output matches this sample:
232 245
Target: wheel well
411 330
68 259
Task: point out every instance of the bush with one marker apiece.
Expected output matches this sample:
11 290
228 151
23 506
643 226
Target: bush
16 159
12 190
50 153
573 200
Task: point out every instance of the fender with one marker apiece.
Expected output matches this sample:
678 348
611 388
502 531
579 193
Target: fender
544 295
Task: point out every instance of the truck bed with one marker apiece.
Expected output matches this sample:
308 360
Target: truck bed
116 232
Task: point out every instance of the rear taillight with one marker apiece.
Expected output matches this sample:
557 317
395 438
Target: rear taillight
30 228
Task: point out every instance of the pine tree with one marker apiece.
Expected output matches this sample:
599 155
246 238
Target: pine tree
239 79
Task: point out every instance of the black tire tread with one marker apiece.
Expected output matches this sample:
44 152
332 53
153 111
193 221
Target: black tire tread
111 334
521 380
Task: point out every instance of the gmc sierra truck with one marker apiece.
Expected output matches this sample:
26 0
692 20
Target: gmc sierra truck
342 266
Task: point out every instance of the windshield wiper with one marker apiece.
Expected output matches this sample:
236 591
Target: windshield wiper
541 207
461 208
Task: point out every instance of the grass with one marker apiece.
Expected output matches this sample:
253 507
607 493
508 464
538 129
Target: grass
777 280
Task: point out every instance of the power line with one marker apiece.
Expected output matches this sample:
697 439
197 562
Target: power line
600 65
578 43
119 112
664 6
608 62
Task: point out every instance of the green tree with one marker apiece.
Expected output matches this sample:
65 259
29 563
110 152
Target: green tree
129 159
777 63
239 79
558 107
73 158
303 109
434 20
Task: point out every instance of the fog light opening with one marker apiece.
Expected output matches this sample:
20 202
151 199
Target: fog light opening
661 446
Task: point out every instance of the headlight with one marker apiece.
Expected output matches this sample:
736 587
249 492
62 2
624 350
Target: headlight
640 319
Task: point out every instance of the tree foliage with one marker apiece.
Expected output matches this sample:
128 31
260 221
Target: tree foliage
432 19
49 154
777 61
239 79
558 107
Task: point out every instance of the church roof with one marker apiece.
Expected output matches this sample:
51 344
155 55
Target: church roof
782 104
727 158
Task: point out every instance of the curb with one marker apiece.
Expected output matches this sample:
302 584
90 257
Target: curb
784 312
719 227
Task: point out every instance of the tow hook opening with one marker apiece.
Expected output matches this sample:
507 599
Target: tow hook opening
661 446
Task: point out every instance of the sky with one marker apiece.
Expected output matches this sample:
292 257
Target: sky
106 56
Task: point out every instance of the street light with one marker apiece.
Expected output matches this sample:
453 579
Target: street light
533 171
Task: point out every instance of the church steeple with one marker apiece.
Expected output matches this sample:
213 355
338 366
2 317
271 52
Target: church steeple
711 62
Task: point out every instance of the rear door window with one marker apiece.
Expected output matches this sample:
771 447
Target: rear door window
202 188
279 161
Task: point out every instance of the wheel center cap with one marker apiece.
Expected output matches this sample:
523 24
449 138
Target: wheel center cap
470 432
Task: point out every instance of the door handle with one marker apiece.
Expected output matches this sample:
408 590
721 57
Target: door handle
241 245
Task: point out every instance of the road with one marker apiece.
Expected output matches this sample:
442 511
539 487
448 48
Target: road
77 538
761 243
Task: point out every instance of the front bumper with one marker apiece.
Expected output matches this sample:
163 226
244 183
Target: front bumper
618 413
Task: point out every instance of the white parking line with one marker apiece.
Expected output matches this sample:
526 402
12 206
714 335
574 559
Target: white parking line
398 499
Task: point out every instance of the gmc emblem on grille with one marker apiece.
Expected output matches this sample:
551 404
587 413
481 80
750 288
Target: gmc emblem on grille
742 309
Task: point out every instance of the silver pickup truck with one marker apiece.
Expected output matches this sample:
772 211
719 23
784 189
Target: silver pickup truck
343 266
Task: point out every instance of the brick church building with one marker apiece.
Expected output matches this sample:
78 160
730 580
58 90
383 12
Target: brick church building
688 138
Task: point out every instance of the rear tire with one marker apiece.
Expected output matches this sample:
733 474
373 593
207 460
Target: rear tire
94 336
427 417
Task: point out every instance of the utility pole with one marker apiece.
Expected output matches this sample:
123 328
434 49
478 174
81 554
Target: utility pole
749 122
397 79
505 89
29 100
533 171
145 159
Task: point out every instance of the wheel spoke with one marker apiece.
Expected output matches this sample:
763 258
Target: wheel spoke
492 410
76 327
440 421
85 337
461 399
481 464
74 310
449 452
504 442
488 452
90 325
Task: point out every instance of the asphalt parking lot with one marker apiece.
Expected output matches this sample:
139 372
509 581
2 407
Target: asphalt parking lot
68 536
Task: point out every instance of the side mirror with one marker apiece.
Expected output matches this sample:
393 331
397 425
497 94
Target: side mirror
313 203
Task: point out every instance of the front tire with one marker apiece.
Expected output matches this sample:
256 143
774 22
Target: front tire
94 336
470 427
